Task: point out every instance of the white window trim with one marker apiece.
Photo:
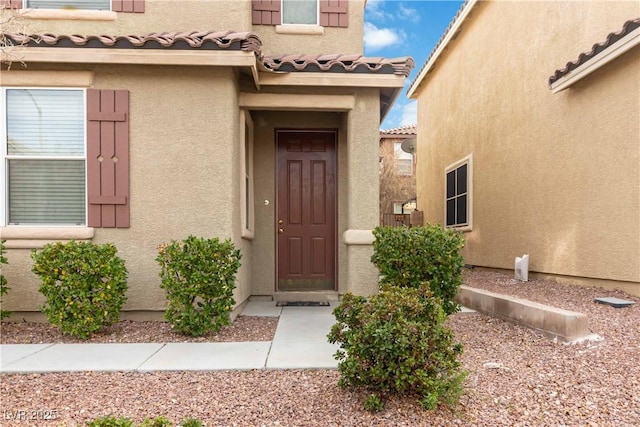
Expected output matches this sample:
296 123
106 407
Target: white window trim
397 160
68 14
246 122
300 29
55 229
468 160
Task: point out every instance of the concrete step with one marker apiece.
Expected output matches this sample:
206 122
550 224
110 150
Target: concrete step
306 296
553 322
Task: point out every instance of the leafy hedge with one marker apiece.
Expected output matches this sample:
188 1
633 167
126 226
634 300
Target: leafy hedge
409 257
3 281
112 421
198 276
84 285
396 343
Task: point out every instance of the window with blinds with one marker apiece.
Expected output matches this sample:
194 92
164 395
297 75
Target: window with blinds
69 4
45 156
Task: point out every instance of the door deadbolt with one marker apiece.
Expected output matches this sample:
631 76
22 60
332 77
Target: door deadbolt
280 222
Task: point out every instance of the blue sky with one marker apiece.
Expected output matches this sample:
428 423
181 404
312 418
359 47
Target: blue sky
394 28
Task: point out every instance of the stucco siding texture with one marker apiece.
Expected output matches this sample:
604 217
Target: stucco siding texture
159 15
183 156
555 176
345 40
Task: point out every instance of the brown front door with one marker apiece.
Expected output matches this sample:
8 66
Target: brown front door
306 210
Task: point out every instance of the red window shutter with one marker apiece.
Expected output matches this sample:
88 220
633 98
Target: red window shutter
334 13
131 6
266 12
11 4
108 158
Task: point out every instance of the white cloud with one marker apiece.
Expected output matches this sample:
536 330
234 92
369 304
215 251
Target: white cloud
409 114
408 13
378 38
375 11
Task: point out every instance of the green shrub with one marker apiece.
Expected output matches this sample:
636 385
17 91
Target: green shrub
84 285
409 257
191 422
396 343
156 422
198 276
111 421
373 403
3 281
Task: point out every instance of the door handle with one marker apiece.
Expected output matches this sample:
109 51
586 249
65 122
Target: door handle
280 231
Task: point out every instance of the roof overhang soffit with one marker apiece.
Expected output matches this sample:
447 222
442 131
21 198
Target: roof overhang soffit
390 85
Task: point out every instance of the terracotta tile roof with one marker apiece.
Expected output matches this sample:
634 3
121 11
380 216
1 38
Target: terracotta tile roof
402 130
216 40
339 63
208 40
597 48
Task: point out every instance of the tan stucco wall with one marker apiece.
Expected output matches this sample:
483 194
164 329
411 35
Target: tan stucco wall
159 16
332 40
556 176
205 15
184 176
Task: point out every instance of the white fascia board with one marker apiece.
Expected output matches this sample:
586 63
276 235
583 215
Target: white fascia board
441 47
626 43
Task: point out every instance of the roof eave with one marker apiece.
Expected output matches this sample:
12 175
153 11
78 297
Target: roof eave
626 43
71 55
441 46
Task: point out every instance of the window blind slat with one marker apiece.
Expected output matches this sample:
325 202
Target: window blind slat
47 192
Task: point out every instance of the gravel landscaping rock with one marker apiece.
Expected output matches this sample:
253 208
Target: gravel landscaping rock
244 328
517 377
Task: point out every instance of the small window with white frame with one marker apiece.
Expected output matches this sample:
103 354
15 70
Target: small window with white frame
302 12
69 4
247 208
403 161
43 154
458 194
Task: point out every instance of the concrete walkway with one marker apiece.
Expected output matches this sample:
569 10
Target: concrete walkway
300 342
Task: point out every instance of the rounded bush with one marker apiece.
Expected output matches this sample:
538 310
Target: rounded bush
84 285
3 281
409 257
396 343
198 276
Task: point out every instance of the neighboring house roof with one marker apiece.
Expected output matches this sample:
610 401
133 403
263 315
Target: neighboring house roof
339 63
245 41
615 44
409 130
